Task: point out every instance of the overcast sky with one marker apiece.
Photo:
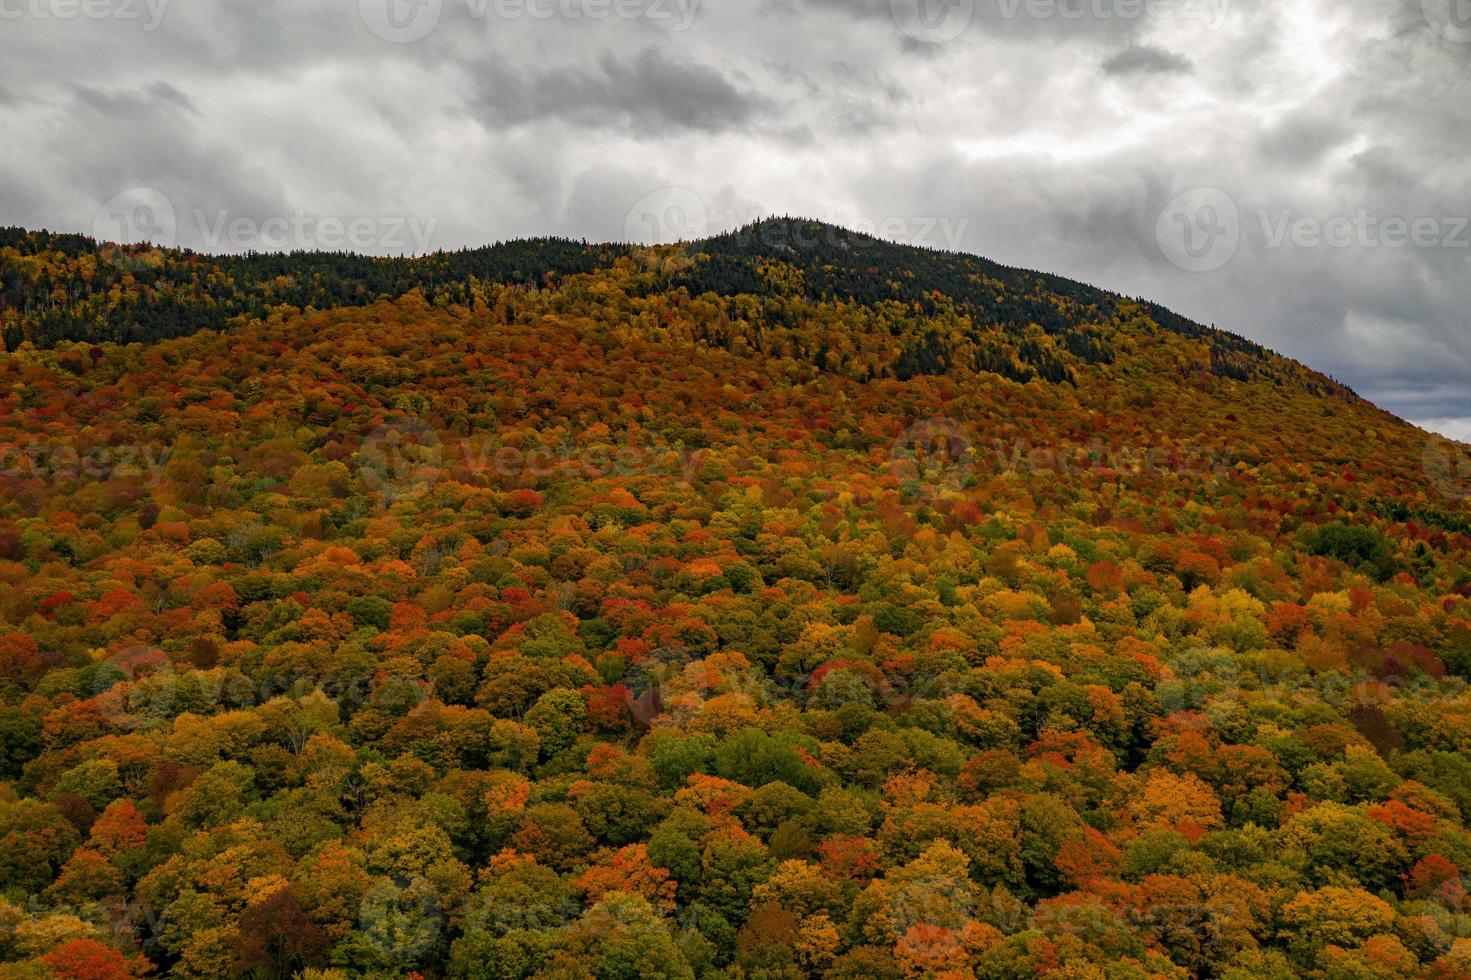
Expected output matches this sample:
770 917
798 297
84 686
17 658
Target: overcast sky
1295 171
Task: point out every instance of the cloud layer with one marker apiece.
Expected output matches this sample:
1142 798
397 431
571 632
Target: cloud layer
1291 170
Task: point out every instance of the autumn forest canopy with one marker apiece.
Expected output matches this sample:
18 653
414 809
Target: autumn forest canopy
788 604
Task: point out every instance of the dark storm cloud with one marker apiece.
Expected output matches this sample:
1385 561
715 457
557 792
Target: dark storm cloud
126 105
1314 129
652 92
1147 60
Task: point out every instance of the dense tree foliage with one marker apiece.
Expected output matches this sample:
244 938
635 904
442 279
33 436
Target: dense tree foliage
56 287
947 309
645 619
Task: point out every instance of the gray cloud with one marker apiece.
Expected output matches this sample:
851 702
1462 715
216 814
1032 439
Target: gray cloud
651 93
1302 138
1147 59
1313 115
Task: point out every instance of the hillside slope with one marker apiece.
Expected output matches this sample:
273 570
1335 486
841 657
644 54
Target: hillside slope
57 288
748 609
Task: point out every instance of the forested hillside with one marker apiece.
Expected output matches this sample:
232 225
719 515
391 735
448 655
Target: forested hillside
976 314
787 605
56 288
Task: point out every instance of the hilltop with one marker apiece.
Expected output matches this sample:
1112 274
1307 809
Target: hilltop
56 288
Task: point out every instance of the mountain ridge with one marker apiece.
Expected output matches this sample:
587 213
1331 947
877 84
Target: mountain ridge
167 292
